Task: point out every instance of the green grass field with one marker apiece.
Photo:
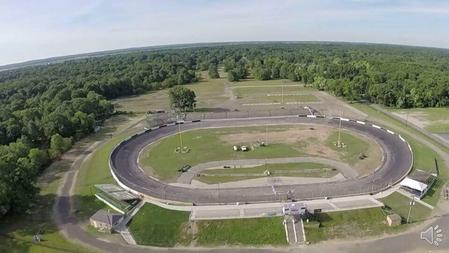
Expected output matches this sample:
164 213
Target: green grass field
210 94
354 146
365 222
218 95
248 232
438 128
271 94
157 226
350 224
400 204
205 145
214 176
434 119
279 82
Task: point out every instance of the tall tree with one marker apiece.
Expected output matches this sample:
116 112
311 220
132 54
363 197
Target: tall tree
182 99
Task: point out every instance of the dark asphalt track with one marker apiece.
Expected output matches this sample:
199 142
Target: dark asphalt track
396 165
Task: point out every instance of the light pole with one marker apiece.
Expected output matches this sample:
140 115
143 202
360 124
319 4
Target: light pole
412 203
339 134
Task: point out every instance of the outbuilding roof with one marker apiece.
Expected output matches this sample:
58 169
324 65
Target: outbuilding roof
106 217
414 184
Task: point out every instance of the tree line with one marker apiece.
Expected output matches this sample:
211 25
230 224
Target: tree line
44 109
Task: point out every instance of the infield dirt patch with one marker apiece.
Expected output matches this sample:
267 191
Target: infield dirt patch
309 140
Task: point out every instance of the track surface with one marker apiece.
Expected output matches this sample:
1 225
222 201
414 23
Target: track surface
396 165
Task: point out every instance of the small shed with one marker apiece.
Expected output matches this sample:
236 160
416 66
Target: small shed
418 183
415 187
394 220
105 221
413 184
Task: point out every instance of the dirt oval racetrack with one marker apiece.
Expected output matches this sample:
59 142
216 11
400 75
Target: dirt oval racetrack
397 162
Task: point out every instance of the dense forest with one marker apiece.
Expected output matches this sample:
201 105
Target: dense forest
44 109
394 76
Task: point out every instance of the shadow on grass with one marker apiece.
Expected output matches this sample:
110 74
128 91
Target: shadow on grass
211 109
322 218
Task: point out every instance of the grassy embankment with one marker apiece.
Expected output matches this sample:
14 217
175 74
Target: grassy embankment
156 226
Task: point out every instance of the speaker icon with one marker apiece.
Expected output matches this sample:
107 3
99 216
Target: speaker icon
433 235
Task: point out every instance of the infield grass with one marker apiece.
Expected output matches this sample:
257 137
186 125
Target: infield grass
354 146
161 160
214 176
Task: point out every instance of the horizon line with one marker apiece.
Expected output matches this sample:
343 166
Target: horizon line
88 54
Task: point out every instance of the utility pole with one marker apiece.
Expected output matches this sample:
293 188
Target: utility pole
412 203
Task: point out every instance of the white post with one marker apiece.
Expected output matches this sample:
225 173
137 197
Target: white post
339 134
412 203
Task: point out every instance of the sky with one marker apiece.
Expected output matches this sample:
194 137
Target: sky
37 29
